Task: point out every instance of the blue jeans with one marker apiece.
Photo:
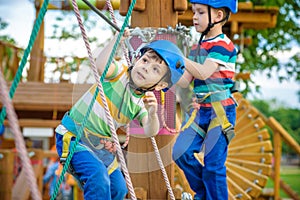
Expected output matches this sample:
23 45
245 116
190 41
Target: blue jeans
92 174
209 181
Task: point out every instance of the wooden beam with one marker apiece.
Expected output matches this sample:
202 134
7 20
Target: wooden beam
35 123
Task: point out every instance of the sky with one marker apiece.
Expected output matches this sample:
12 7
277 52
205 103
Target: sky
20 15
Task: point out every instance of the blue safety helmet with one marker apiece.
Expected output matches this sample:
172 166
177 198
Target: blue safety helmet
232 5
171 54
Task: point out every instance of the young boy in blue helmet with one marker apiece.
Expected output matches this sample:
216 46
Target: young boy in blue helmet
201 149
129 96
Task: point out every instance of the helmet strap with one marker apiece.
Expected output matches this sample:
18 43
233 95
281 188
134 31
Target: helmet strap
210 24
141 90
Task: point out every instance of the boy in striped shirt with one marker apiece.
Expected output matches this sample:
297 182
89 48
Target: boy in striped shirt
211 67
128 92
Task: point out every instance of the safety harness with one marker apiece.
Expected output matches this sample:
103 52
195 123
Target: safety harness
221 119
73 128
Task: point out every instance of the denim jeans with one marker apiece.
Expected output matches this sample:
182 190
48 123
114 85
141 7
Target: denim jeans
208 181
92 174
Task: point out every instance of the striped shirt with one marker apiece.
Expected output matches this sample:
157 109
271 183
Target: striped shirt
116 90
220 50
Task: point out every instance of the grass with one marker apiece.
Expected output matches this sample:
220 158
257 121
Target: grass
291 176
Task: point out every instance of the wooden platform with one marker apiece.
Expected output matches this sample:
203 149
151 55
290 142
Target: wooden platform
37 96
38 104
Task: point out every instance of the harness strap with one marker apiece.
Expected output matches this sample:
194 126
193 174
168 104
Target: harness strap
113 166
66 145
220 120
227 127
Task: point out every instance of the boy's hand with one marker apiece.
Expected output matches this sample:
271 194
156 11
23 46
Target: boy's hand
126 34
150 102
109 146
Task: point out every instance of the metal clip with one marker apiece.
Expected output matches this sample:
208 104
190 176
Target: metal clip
62 160
229 133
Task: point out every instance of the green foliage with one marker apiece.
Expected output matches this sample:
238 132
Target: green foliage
266 43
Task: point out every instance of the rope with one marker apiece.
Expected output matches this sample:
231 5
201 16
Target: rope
111 11
99 88
162 111
27 51
186 125
165 175
153 141
19 141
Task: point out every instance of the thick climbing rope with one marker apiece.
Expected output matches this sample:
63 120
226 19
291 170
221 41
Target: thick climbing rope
99 88
111 11
19 141
33 36
161 165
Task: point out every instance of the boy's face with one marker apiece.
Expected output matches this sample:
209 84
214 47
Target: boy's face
148 70
200 17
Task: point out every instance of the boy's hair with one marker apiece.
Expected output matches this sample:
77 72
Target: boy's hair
157 58
226 13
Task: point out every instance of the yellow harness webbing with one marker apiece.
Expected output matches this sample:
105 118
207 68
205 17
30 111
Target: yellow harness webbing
66 145
220 116
220 120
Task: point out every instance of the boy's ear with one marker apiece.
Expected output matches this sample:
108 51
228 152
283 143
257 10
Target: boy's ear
161 85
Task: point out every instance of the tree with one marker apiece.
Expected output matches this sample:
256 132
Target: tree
267 43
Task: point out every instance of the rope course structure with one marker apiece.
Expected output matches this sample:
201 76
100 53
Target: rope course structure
249 154
99 88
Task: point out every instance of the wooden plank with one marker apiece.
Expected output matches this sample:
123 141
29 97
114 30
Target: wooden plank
236 190
47 96
254 126
265 158
140 193
248 116
254 177
260 168
136 153
162 10
259 147
36 123
6 173
147 173
259 136
247 185
243 107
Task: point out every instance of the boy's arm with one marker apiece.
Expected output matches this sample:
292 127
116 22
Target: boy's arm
150 122
201 71
185 80
103 56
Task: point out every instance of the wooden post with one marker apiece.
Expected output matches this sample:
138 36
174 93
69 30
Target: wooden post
279 134
277 159
143 166
36 70
275 125
6 173
155 13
